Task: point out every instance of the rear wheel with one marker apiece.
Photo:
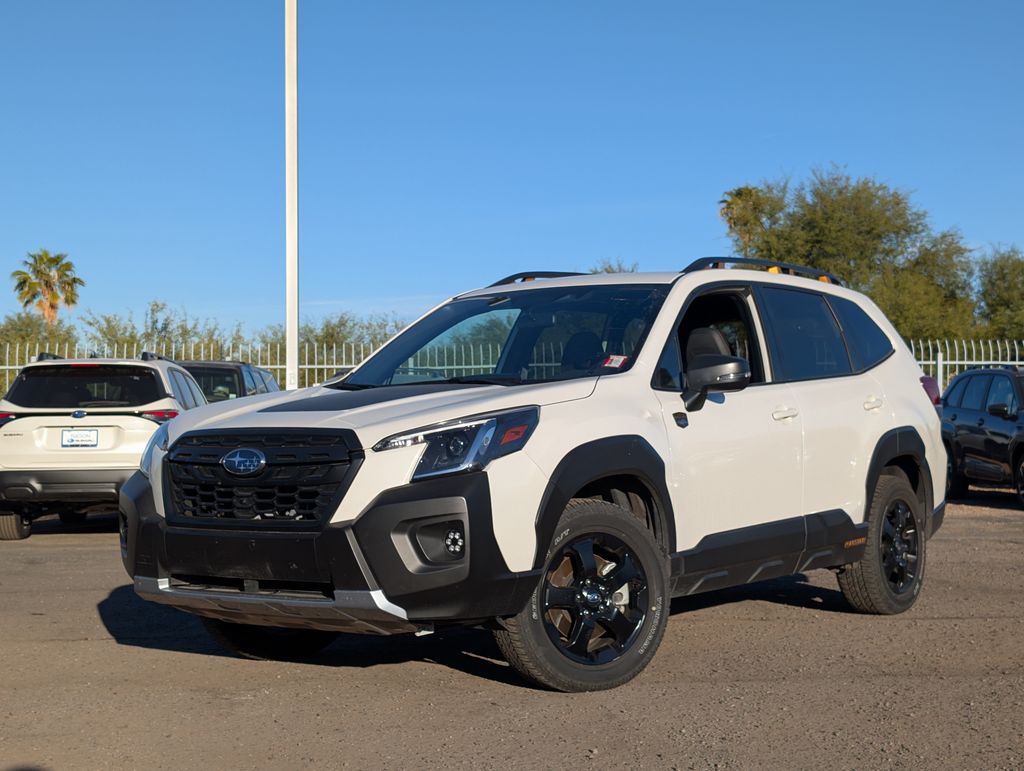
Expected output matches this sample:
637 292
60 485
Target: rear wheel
72 517
601 608
14 526
889 577
268 642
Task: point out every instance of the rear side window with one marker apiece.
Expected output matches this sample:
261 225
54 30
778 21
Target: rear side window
867 343
805 342
85 385
250 383
1002 392
197 392
261 386
974 395
181 390
268 379
955 393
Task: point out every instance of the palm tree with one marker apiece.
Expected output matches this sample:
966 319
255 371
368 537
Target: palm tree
47 282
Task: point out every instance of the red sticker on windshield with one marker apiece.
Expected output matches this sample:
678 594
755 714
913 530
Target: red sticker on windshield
615 361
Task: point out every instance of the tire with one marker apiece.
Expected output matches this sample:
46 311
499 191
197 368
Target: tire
888 579
72 517
267 642
1018 477
14 526
592 624
956 484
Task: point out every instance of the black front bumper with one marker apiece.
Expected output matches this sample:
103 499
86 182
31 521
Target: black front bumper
63 486
380 574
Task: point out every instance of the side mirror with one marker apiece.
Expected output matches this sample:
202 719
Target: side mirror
714 372
999 411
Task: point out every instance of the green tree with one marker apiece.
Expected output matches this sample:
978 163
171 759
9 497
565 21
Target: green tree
605 265
1001 293
27 330
868 234
164 330
47 282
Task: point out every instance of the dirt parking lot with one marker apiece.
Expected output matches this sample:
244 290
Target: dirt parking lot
777 674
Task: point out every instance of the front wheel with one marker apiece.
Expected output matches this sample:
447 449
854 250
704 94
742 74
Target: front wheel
601 608
266 642
14 526
888 579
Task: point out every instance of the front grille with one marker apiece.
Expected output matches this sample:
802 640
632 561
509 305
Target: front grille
304 479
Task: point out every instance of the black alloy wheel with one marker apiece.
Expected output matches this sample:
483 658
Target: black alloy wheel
600 606
594 600
900 546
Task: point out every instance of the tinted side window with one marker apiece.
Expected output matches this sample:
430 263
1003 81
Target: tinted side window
197 393
974 395
804 339
181 390
955 393
867 343
268 379
261 387
250 384
1002 392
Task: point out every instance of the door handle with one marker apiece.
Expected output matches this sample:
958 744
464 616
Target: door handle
784 413
873 403
981 422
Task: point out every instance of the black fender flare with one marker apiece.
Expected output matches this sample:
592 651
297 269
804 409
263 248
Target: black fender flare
899 442
627 455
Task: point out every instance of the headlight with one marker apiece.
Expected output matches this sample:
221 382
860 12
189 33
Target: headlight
467 444
158 439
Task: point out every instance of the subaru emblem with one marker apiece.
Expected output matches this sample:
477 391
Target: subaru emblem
79 414
244 462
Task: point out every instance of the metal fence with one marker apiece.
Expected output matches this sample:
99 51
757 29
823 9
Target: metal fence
942 359
317 363
945 359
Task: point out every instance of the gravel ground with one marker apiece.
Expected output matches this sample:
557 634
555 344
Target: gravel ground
778 674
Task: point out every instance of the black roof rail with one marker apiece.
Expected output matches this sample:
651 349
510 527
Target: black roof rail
779 267
47 356
532 274
150 356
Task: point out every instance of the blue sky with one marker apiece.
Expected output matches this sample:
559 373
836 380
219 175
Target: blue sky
445 144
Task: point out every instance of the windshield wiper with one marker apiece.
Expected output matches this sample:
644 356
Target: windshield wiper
341 385
505 380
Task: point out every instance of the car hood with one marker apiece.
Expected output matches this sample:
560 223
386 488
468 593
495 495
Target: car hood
375 413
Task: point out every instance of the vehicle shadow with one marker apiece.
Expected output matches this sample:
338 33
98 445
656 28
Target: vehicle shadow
50 524
795 591
136 622
990 497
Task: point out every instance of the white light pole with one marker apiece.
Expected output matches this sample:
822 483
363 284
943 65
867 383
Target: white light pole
291 197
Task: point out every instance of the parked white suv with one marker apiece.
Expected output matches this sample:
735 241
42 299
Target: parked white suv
555 459
73 430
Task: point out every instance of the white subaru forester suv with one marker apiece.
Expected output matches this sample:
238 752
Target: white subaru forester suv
73 430
555 459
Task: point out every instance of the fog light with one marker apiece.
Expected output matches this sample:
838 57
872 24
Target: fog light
455 541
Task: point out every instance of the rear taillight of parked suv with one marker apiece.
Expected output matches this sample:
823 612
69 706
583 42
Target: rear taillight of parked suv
6 417
931 387
160 416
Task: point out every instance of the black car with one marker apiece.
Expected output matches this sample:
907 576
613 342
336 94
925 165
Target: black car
983 429
221 380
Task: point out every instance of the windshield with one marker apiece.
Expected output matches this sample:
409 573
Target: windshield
217 383
85 385
527 336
